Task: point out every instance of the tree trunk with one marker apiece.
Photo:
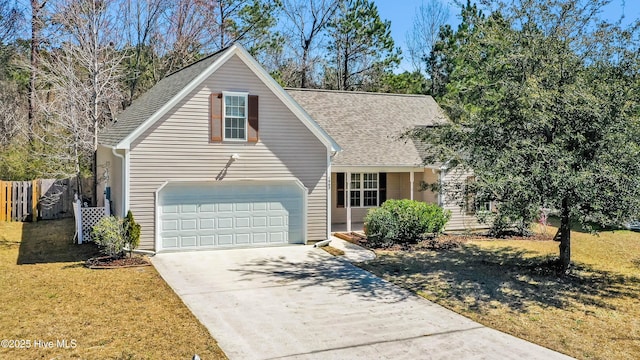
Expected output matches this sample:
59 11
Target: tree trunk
36 28
305 59
565 238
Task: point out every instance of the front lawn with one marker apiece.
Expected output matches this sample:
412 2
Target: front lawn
504 284
47 297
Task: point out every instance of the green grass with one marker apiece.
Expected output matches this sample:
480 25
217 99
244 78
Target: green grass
509 285
46 294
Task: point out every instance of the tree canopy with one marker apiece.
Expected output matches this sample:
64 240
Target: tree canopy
543 99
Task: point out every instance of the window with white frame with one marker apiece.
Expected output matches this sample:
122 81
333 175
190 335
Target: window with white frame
364 190
235 116
476 202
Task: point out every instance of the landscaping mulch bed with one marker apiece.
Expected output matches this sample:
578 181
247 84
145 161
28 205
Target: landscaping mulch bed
352 237
442 242
110 262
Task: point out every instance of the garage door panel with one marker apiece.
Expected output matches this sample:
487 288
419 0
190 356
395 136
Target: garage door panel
188 208
231 214
225 239
259 221
207 224
170 224
243 222
207 209
225 223
276 237
207 241
243 239
225 207
243 207
188 241
260 237
170 242
188 224
259 206
276 221
170 209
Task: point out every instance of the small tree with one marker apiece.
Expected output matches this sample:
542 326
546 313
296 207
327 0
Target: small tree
131 231
108 233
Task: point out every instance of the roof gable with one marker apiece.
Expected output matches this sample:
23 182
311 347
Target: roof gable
368 126
161 98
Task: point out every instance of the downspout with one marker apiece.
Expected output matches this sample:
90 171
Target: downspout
348 200
329 190
411 180
124 180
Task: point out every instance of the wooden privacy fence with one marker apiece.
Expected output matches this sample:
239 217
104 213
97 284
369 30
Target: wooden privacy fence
44 199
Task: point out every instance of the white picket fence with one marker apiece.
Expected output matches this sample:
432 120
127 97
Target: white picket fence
86 217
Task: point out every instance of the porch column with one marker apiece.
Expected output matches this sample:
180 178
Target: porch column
411 182
347 199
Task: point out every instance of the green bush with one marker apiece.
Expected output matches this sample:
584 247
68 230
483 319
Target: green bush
131 232
108 233
404 221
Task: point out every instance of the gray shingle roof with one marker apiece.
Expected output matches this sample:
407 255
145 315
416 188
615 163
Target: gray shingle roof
368 125
151 101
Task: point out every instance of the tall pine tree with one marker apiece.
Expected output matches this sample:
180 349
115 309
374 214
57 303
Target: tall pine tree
361 49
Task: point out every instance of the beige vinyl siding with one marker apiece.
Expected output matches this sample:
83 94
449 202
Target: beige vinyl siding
177 148
460 219
429 177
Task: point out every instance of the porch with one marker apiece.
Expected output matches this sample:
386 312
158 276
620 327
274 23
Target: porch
342 227
357 189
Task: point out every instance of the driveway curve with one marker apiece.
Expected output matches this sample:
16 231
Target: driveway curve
298 302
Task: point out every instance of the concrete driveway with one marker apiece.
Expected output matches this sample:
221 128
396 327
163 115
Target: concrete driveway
298 302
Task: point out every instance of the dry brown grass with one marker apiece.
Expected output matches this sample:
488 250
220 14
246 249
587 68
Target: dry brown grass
507 285
46 294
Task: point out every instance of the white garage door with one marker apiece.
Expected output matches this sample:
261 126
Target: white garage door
230 214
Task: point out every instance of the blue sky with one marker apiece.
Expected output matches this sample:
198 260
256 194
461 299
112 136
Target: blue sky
400 13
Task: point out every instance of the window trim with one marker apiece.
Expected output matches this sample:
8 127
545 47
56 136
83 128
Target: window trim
245 95
362 190
472 204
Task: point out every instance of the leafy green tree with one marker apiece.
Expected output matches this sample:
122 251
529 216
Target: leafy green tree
440 61
361 48
404 83
544 106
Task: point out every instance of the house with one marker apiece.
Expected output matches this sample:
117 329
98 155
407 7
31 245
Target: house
219 155
376 163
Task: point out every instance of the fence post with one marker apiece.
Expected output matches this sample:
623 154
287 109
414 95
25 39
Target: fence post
3 202
35 196
9 198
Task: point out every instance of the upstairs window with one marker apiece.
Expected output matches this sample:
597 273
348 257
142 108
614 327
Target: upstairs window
235 116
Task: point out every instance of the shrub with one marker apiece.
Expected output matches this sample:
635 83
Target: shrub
131 232
108 233
404 221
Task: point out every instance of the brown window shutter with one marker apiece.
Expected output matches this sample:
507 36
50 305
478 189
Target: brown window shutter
216 117
252 131
340 190
382 188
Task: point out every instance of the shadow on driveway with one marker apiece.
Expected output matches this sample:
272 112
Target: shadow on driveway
318 268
